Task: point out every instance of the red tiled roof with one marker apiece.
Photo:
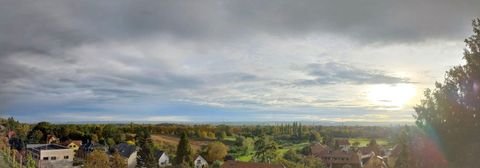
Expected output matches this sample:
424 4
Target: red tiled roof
334 156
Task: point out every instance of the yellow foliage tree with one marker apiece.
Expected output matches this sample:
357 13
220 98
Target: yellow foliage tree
97 159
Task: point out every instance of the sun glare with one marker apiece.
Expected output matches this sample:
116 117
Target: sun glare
392 96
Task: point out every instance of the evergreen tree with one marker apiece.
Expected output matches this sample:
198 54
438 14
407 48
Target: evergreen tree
146 154
184 151
266 149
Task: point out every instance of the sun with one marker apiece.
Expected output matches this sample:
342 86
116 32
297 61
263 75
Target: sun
391 96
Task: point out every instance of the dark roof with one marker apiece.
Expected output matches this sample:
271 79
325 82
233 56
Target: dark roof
158 154
125 149
237 164
36 148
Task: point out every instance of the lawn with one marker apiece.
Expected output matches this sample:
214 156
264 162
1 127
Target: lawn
366 141
281 151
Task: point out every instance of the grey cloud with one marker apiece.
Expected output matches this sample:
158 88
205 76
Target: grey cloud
335 73
52 25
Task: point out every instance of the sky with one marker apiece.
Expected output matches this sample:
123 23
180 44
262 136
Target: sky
226 61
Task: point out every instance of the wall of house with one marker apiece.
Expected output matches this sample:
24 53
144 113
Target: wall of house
60 160
200 163
163 159
132 160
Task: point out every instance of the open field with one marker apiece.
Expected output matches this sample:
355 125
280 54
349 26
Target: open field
196 144
366 141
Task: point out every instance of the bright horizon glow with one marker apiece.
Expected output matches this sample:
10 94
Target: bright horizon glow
395 96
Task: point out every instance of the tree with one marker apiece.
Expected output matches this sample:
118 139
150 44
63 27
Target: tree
184 151
22 131
146 154
97 159
36 136
315 137
403 160
215 151
29 162
451 111
117 161
292 155
312 162
217 164
266 149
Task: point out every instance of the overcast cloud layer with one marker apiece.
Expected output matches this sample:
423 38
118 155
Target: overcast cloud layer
223 60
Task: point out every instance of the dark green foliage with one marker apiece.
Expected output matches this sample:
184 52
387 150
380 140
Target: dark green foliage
184 151
265 149
451 111
403 160
146 154
292 155
315 137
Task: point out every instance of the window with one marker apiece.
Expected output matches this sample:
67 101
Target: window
45 158
53 158
65 157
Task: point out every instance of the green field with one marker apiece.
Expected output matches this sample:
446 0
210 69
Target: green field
281 151
366 141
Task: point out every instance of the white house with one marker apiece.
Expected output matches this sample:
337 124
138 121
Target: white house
163 159
200 162
129 152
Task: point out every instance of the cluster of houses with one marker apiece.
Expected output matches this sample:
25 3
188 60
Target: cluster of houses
344 157
55 154
62 155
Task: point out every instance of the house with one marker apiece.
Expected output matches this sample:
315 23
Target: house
51 139
163 159
11 134
88 147
51 155
238 164
72 144
200 162
342 144
336 158
375 161
129 152
367 150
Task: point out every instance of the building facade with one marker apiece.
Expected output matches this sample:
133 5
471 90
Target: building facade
51 155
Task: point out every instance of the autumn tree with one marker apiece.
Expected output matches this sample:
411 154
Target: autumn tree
451 111
29 162
117 161
215 151
97 159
